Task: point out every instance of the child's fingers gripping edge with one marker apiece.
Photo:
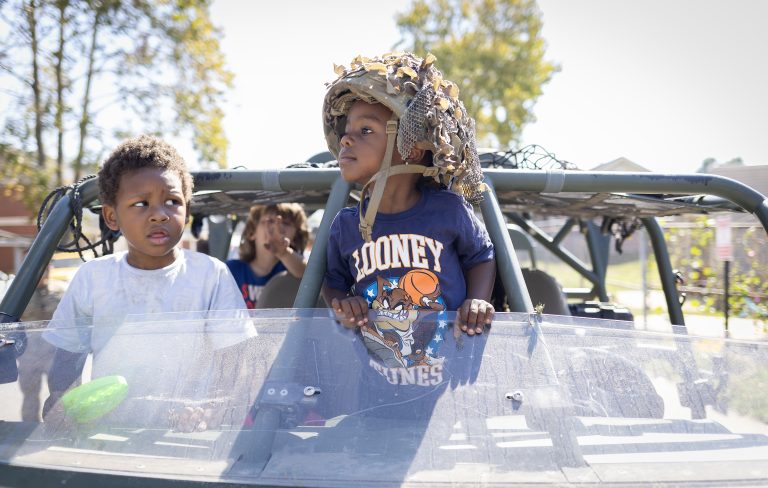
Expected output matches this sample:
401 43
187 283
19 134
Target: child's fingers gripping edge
485 313
461 316
360 309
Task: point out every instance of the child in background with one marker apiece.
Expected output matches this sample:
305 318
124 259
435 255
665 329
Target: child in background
273 241
38 355
414 242
145 190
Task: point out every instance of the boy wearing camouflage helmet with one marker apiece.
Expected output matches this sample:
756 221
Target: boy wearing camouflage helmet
413 242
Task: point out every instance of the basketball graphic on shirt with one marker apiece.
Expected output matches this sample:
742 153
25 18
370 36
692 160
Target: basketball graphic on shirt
422 286
405 331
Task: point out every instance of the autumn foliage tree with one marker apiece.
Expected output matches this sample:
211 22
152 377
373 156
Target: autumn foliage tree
493 49
77 75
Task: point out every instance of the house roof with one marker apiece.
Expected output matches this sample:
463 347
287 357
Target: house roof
620 164
9 239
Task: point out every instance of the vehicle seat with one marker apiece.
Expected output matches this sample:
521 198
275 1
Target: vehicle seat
280 292
544 289
522 242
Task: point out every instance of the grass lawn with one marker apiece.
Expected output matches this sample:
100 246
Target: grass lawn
624 286
623 283
622 276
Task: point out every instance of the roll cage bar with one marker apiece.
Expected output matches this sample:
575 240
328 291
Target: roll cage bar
720 193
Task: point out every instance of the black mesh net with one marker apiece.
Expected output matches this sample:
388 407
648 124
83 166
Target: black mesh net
531 156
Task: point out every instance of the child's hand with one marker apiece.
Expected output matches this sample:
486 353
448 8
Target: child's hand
351 311
190 419
473 315
55 420
277 240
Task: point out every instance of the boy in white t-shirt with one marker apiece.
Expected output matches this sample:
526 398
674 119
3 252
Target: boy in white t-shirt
145 191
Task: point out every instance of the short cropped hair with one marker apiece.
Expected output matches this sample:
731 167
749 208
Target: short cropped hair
145 151
288 211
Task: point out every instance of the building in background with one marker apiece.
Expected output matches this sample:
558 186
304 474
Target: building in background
620 164
753 175
17 230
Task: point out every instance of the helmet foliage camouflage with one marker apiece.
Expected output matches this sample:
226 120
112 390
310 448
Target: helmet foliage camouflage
431 116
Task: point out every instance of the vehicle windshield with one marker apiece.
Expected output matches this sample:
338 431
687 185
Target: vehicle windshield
291 398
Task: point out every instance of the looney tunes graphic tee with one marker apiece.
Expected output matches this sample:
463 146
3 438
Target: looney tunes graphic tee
413 266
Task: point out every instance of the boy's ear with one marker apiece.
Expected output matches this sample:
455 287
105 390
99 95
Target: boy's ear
110 217
417 155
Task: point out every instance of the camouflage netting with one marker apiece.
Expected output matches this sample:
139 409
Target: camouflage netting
531 156
431 115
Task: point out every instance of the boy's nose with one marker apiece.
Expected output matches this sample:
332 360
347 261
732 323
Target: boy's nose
159 214
345 140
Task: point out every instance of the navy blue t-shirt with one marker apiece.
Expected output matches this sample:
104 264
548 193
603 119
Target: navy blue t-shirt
411 274
422 252
249 283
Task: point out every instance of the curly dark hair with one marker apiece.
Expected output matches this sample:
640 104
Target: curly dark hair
290 212
145 151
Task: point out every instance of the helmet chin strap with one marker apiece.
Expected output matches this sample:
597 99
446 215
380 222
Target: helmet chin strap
387 170
366 221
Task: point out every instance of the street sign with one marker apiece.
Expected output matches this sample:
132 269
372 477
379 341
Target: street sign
723 239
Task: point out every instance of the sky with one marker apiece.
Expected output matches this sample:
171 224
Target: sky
664 83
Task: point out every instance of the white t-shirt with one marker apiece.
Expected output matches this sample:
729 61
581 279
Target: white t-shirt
109 300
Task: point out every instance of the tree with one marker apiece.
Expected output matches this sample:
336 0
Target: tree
711 163
493 49
694 253
84 68
21 179
707 165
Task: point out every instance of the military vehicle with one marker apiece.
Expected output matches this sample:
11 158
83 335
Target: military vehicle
544 397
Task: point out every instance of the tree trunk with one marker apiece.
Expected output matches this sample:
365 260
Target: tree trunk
85 116
36 92
58 122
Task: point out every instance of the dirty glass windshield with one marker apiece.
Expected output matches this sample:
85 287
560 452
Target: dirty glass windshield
290 398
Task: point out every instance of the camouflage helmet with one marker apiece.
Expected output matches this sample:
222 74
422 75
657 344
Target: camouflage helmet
431 116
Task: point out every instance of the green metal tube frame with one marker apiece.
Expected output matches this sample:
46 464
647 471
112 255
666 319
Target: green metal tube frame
666 274
312 280
32 268
553 245
556 181
597 245
42 249
506 262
